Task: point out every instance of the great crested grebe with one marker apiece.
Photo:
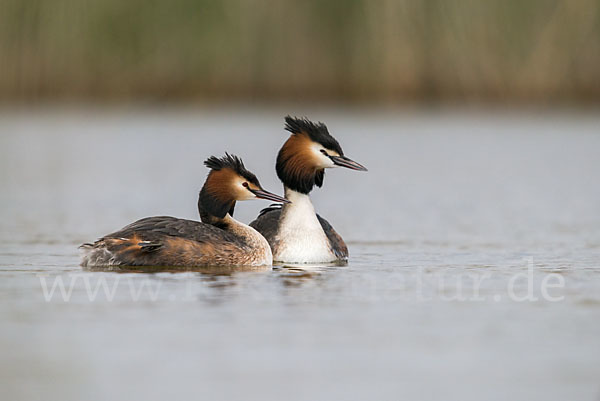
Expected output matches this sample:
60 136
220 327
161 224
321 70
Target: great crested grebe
219 240
295 232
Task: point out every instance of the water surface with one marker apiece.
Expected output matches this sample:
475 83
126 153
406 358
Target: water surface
454 206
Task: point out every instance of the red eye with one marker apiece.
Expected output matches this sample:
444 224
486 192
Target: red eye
245 184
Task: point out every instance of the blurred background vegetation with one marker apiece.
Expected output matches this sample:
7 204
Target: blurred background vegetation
538 51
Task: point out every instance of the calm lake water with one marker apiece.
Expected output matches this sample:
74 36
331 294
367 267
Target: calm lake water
474 271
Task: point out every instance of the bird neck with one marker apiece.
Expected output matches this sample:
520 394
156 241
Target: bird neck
300 236
214 210
300 213
238 228
300 201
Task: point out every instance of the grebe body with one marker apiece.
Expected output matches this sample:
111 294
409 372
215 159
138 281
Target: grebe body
218 240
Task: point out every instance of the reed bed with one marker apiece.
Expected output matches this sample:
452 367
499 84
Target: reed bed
341 50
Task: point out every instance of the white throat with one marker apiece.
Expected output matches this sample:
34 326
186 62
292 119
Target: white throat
300 237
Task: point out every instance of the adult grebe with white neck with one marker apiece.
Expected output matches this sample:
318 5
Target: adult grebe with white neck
295 232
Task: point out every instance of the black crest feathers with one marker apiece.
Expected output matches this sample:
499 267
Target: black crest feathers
316 131
233 162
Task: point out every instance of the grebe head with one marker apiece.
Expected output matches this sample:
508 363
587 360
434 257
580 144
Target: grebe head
229 181
302 160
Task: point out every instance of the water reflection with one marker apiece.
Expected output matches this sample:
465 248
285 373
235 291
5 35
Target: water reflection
209 270
295 276
215 285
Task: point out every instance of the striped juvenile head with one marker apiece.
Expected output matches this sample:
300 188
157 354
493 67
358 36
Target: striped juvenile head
302 160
